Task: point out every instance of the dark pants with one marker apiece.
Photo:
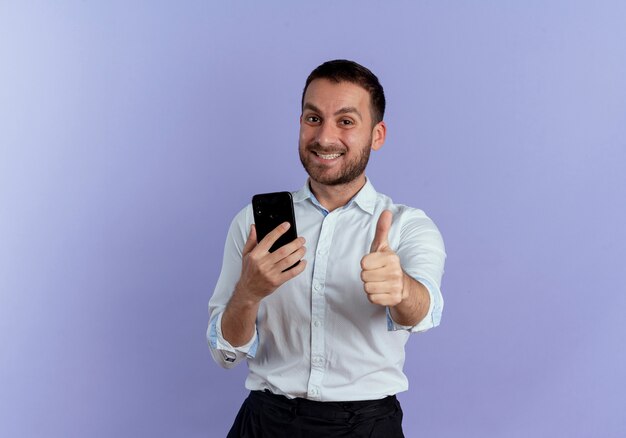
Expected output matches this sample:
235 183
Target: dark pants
265 415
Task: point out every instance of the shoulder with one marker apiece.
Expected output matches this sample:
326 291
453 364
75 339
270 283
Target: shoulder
240 225
244 215
402 214
410 223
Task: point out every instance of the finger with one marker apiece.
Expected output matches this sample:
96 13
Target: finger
383 299
377 287
292 259
374 275
296 270
375 260
383 226
287 249
251 242
266 243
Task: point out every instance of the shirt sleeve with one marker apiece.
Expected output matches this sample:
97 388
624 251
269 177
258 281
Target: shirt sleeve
222 351
422 255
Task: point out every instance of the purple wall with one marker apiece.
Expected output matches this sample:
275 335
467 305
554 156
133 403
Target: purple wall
131 133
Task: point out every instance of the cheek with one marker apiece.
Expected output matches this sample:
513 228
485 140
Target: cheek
306 135
353 139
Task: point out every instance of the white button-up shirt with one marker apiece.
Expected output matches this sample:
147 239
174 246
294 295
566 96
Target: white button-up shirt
317 336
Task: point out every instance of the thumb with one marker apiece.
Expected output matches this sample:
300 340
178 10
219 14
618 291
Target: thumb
380 241
251 242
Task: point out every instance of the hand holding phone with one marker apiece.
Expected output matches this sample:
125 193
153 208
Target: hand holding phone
272 254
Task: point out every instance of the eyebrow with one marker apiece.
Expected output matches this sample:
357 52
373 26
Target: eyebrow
344 110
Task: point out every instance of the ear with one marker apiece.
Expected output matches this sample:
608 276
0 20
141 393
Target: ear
378 135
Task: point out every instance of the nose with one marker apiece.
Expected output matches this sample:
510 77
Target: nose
327 134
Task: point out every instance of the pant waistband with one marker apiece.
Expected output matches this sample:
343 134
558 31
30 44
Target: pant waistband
328 410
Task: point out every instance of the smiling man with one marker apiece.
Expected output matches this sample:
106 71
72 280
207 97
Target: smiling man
324 341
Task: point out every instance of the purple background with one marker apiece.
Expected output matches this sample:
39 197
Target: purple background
132 132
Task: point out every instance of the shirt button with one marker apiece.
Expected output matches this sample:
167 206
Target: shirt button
321 252
313 392
317 323
317 286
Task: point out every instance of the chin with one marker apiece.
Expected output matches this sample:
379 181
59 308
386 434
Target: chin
335 180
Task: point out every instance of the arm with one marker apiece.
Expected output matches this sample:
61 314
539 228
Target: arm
414 303
232 327
262 273
388 284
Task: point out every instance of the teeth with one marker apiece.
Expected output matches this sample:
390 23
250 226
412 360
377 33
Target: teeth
329 156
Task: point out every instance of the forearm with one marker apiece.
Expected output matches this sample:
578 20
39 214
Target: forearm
414 305
239 318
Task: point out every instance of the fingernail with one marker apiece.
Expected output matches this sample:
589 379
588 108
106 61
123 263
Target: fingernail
286 225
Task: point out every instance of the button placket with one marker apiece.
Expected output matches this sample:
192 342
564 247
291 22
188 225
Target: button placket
318 308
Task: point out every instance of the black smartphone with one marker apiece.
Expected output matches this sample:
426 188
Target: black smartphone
270 210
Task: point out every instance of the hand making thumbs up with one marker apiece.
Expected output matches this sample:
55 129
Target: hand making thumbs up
381 272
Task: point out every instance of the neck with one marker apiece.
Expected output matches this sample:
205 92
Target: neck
333 197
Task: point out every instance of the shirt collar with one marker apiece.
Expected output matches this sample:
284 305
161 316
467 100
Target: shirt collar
365 198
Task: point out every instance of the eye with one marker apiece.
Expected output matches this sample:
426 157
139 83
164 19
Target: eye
312 119
346 122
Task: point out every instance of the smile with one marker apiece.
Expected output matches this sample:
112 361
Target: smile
328 156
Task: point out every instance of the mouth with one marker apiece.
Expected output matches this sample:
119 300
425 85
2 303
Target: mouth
328 156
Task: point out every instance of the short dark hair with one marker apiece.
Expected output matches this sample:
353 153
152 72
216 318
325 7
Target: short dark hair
342 70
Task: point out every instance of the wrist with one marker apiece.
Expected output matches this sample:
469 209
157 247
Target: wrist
243 297
406 287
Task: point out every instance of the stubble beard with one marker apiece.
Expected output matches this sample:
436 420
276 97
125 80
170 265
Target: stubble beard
351 170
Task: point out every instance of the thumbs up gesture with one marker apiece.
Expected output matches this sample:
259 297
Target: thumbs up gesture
381 273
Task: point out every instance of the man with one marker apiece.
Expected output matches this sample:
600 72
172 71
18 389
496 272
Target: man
324 341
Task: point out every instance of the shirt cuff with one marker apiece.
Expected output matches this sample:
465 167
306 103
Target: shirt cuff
432 318
222 351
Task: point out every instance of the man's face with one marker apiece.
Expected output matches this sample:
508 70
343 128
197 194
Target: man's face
336 132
